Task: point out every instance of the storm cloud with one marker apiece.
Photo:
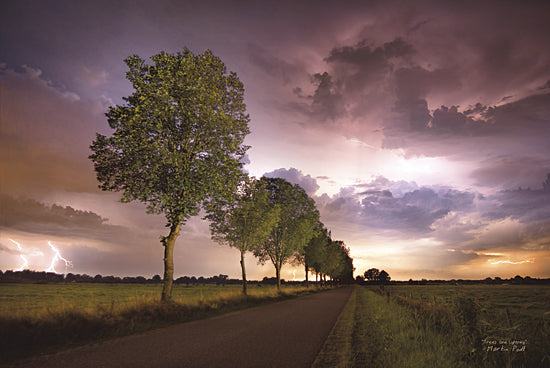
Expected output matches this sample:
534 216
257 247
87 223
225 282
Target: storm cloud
419 128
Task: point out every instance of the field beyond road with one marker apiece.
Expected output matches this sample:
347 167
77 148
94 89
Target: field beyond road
284 334
485 326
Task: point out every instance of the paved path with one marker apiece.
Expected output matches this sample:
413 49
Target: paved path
284 334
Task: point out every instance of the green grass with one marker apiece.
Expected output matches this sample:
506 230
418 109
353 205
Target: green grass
375 332
43 318
441 326
503 313
42 299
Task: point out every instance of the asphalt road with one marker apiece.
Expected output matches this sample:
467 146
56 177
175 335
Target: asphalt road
284 334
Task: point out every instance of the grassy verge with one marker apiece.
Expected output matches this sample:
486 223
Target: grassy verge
338 349
373 331
25 333
377 329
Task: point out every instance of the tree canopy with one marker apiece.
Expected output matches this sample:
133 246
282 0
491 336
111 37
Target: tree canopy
375 275
327 257
177 140
298 218
244 222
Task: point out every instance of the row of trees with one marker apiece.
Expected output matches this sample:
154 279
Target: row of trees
43 277
327 257
178 146
278 222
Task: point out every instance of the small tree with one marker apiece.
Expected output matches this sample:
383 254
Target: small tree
384 277
309 254
245 222
334 259
316 251
372 274
177 141
296 226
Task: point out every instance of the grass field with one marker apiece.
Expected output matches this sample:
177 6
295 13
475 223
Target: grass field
442 326
37 318
37 300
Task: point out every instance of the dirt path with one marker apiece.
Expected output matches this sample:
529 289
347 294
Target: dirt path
284 334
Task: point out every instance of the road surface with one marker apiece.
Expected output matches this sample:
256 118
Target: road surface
284 334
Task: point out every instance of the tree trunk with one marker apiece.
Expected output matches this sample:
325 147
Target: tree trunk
168 243
278 274
307 279
244 273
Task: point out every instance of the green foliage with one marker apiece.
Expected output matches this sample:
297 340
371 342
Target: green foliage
372 274
298 218
383 276
246 221
316 250
328 257
177 141
179 138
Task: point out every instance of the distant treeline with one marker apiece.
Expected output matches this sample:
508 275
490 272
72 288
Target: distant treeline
517 280
28 276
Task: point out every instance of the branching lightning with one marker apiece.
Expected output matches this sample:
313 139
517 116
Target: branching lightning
25 262
57 257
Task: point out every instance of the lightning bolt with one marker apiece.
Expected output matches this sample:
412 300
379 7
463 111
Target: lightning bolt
293 275
57 257
25 262
531 260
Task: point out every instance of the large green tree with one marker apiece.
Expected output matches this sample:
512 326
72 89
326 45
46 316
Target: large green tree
177 140
297 223
244 222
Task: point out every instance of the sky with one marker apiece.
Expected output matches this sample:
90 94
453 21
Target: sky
420 128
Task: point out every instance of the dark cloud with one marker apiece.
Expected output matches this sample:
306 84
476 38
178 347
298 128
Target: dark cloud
354 81
326 104
327 101
361 65
295 176
530 206
413 114
513 129
274 66
412 211
415 212
510 172
31 216
441 81
468 81
416 82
